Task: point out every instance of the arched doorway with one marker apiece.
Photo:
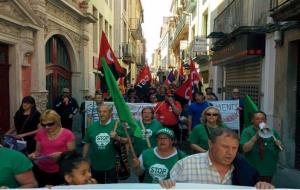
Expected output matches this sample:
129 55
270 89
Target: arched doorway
4 83
58 68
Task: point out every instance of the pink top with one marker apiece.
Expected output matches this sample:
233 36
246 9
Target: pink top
49 146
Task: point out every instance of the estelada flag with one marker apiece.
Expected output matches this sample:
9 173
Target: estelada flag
108 54
194 75
185 90
144 76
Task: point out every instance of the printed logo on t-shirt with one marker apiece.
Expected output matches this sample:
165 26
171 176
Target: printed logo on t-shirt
147 133
102 139
158 172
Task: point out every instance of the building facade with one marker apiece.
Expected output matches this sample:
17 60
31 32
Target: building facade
44 48
285 36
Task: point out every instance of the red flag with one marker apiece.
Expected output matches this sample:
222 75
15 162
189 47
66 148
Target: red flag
144 76
108 54
194 75
185 90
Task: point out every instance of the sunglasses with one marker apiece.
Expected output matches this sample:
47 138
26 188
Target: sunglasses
47 124
212 114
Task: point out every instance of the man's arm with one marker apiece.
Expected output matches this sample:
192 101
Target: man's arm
249 144
26 180
85 150
197 148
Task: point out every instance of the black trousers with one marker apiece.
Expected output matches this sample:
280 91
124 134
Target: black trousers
43 178
106 176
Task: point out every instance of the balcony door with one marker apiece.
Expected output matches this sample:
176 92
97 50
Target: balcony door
58 68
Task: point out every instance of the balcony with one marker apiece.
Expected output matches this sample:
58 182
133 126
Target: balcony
237 14
191 5
285 10
181 30
128 53
135 26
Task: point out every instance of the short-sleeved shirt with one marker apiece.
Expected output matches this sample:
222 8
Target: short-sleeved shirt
156 167
165 114
195 111
102 151
49 146
198 168
267 165
140 144
199 135
12 163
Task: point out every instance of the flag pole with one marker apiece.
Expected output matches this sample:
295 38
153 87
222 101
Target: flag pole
129 140
146 136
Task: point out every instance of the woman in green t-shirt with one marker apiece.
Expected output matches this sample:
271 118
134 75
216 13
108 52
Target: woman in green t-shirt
210 120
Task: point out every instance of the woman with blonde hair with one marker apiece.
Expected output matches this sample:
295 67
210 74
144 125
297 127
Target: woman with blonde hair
210 120
52 140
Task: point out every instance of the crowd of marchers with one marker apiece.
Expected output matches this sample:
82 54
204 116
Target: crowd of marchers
179 142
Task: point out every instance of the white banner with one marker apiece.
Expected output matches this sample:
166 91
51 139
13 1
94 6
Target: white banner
151 186
229 111
135 109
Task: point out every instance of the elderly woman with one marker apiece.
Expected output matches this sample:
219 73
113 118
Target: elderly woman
210 120
52 140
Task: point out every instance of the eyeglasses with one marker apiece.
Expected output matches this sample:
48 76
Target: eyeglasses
47 124
212 114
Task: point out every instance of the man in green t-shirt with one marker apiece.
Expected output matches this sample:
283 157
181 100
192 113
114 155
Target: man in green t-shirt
16 170
156 163
261 152
99 140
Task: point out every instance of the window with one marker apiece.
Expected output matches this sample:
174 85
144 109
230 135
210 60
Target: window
204 24
110 33
100 23
125 5
95 31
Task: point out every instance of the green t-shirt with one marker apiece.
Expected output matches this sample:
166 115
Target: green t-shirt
102 151
157 168
199 135
267 165
12 163
140 144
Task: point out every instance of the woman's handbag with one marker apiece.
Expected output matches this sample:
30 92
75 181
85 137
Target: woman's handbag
122 166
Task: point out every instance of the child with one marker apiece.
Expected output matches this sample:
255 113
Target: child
74 169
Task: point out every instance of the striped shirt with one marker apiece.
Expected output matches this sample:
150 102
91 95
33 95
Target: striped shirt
198 168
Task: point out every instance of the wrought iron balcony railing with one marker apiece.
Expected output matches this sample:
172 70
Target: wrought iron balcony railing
135 26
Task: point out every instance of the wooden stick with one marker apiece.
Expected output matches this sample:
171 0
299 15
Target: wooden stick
129 140
146 136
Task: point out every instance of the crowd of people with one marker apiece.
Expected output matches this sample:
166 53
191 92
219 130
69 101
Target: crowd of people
215 154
